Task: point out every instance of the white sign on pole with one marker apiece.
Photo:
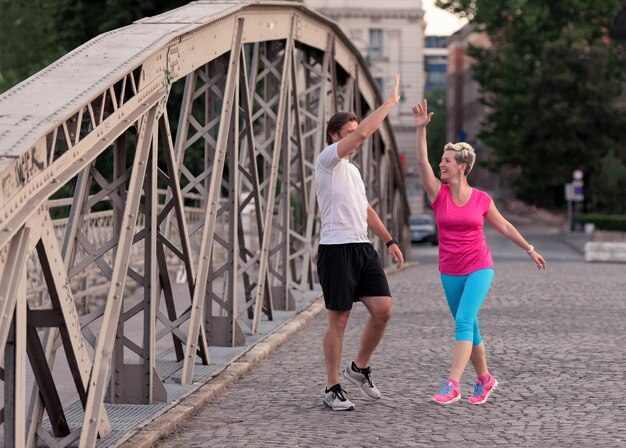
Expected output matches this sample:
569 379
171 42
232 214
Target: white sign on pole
574 191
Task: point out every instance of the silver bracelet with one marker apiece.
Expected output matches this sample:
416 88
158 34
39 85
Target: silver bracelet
530 249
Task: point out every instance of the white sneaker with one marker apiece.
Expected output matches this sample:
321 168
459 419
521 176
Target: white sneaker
337 399
364 381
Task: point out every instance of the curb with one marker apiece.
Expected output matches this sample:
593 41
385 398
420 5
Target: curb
610 252
576 247
149 434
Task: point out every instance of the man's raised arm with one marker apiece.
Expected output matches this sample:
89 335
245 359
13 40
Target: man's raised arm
369 124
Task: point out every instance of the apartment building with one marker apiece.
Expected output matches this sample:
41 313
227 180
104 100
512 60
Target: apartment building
390 36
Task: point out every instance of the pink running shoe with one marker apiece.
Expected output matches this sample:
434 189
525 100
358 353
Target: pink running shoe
447 393
483 391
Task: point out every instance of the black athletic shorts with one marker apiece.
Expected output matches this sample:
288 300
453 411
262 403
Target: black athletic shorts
348 272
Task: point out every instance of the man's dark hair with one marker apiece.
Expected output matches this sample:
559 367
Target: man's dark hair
336 122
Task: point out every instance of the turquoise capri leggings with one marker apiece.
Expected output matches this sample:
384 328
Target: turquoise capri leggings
465 294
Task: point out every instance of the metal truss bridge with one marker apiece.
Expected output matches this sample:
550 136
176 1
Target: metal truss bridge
157 200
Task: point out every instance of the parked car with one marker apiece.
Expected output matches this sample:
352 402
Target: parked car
423 229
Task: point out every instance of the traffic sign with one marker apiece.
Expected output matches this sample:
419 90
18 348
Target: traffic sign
574 191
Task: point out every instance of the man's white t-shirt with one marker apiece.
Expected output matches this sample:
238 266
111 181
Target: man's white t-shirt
341 198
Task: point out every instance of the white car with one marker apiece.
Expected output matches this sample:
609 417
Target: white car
423 229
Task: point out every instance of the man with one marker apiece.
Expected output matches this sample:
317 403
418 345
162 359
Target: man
348 266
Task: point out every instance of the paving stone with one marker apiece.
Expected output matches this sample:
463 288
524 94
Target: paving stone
555 341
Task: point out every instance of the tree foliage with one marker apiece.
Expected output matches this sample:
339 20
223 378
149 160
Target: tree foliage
35 33
610 184
550 80
576 123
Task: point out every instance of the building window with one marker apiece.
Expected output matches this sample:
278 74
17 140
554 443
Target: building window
376 42
435 41
436 72
436 60
437 78
380 83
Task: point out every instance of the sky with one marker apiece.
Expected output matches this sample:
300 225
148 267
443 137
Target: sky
438 21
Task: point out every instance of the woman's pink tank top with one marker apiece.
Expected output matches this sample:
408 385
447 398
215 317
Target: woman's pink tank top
462 245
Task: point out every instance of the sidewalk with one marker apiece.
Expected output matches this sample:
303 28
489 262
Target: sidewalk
576 240
557 355
518 212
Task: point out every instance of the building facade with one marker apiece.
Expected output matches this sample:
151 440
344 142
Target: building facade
390 36
465 111
435 63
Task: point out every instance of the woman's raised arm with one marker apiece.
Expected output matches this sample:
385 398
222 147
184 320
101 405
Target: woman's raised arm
429 181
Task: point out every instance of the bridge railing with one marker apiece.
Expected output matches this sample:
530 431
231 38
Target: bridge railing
222 106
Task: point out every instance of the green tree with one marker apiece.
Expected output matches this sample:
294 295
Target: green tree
573 121
27 40
35 33
550 82
610 184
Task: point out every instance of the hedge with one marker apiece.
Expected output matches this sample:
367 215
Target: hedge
604 222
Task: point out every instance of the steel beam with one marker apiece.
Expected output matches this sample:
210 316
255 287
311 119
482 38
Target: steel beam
269 210
62 301
13 338
102 360
211 207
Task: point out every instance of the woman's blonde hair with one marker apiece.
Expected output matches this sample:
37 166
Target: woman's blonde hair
464 153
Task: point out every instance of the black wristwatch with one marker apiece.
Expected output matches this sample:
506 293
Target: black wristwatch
391 241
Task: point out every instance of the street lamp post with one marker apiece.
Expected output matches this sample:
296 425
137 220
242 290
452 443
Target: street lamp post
573 193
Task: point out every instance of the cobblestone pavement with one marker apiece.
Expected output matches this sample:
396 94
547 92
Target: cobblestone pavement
555 342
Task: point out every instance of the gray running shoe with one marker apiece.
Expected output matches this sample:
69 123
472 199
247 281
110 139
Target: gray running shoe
337 399
364 381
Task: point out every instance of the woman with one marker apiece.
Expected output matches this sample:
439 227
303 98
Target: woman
465 263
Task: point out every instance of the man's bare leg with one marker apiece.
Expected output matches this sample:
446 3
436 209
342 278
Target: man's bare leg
380 313
333 341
